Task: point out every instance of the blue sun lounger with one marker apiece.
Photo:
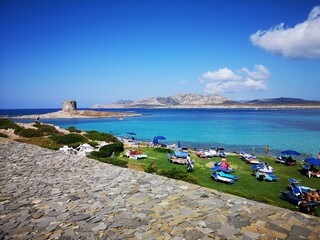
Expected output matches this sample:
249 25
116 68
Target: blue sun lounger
223 174
217 177
290 197
220 169
266 176
180 154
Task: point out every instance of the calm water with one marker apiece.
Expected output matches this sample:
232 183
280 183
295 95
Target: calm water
235 129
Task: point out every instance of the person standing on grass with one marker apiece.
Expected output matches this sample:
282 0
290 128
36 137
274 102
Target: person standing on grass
266 150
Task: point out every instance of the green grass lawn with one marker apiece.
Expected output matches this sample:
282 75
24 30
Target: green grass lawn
247 186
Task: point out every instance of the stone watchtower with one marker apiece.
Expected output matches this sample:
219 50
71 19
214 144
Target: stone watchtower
69 105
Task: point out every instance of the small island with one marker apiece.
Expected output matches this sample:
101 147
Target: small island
69 110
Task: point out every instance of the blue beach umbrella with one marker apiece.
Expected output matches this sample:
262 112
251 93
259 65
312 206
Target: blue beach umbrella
156 138
313 161
131 133
290 152
160 137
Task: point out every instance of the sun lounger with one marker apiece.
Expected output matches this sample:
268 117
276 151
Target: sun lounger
217 177
290 197
266 176
180 154
249 158
262 168
173 159
67 149
226 175
217 167
135 154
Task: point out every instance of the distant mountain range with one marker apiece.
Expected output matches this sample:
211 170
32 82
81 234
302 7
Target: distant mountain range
282 100
197 100
176 100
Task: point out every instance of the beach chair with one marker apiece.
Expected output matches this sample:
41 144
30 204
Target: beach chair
180 154
290 197
67 149
262 168
266 176
226 175
173 159
217 177
217 167
135 154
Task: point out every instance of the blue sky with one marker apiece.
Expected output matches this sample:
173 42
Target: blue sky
104 51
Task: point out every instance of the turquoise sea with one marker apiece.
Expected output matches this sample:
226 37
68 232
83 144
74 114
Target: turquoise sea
234 129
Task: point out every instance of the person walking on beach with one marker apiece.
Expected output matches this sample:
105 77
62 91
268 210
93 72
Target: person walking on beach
266 150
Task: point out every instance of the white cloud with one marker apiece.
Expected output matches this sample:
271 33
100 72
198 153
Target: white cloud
225 80
261 72
255 84
221 75
301 41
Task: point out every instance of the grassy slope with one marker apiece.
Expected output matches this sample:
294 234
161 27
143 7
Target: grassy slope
247 186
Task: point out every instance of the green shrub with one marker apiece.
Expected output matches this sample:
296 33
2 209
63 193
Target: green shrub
46 129
115 161
69 138
106 151
179 175
28 132
6 124
152 168
163 150
73 129
98 136
3 135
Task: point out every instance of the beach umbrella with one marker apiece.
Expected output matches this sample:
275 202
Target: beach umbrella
290 152
313 161
131 133
160 137
156 138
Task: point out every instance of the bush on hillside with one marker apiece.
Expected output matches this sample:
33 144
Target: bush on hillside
70 138
115 161
163 150
73 130
98 136
6 124
27 132
46 129
179 175
3 135
106 151
152 168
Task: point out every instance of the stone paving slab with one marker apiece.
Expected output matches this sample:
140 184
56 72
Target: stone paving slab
50 195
